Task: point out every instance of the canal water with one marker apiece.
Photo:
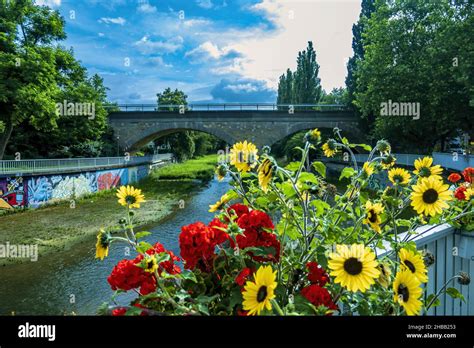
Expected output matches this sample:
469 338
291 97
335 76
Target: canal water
73 281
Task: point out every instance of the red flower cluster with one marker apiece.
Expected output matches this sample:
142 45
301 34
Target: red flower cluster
317 275
118 312
243 277
254 223
454 177
198 242
238 209
318 296
126 275
468 174
459 193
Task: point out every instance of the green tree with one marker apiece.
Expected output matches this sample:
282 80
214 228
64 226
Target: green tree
337 96
303 86
420 52
307 85
29 66
169 97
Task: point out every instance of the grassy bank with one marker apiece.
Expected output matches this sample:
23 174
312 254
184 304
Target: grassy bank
60 226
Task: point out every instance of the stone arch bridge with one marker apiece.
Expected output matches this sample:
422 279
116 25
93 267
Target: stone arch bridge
262 124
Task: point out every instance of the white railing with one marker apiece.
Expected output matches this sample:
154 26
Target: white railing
33 166
446 160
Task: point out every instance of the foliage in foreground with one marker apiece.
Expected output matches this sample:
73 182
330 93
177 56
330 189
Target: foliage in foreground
284 242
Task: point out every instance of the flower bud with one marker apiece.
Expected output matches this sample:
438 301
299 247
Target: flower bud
464 278
428 258
383 146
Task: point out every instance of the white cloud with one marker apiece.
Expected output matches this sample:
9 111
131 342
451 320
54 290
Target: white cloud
328 24
196 22
49 3
207 4
208 50
101 34
159 61
110 20
146 45
146 8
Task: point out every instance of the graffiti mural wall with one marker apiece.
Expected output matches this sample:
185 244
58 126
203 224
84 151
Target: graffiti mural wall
34 191
13 192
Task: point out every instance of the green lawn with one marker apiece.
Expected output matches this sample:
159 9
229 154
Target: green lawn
200 168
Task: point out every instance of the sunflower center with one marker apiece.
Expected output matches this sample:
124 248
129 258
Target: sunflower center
403 292
130 199
430 196
372 216
149 264
262 294
397 178
353 266
410 266
425 171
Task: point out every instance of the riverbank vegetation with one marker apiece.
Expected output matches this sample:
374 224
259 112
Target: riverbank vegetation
62 225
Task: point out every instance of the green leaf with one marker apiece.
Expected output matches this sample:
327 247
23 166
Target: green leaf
188 275
293 166
162 257
364 146
142 234
320 168
133 311
454 293
347 172
320 206
143 247
436 303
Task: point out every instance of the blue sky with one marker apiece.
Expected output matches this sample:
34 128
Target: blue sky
213 50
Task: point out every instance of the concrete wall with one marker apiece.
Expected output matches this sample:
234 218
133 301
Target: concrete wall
34 191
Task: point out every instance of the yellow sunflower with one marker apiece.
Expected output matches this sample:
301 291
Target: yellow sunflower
468 194
354 267
150 264
413 262
368 168
329 148
258 294
219 204
388 162
424 168
407 292
243 156
265 173
385 273
429 196
130 196
373 212
399 176
102 245
313 136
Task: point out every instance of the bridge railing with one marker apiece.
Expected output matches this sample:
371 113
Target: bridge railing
227 107
33 166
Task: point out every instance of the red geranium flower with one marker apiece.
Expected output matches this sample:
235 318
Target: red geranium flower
459 193
117 312
126 275
255 225
218 236
317 274
243 276
197 246
454 177
239 209
318 296
468 174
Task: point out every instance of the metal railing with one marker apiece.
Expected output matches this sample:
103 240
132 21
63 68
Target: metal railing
446 160
451 256
228 107
32 166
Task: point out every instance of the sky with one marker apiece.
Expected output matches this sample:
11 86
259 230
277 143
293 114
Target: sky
213 50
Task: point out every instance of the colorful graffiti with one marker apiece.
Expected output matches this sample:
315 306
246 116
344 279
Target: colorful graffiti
37 190
111 178
12 192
